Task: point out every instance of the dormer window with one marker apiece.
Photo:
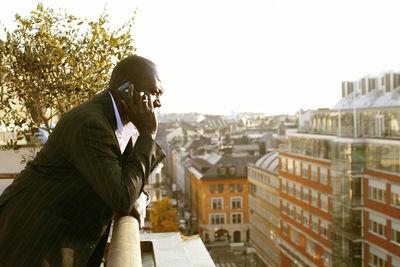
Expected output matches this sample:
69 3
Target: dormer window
222 170
232 170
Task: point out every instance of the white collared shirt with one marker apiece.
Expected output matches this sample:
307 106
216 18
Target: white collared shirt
123 133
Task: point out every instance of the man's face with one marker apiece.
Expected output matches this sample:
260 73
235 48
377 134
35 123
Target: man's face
153 88
155 93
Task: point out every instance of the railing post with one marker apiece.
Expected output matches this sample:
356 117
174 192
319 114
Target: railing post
125 244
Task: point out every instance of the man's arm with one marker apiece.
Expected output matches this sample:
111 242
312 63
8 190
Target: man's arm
95 157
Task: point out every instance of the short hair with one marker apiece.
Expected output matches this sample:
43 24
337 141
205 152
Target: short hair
133 69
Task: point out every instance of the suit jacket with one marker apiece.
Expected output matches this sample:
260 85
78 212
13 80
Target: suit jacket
60 206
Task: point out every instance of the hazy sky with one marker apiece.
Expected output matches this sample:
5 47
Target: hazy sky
271 56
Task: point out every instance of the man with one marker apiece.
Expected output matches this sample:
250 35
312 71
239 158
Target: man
58 211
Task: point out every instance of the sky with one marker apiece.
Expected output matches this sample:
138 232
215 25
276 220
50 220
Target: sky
231 56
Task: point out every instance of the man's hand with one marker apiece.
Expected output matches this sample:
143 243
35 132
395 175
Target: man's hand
139 210
140 111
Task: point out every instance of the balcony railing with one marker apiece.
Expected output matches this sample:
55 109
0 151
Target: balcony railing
125 243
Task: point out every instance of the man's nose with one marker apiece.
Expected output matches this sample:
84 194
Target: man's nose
157 103
155 100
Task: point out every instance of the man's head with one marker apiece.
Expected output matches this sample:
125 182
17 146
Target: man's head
142 73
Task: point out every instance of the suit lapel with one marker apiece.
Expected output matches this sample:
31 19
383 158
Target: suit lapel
109 113
109 109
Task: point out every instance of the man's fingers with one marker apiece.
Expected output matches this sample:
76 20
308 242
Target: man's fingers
147 102
151 104
145 99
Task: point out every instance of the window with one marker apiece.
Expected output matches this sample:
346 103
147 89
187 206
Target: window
236 202
379 125
305 194
395 195
232 170
395 233
291 213
284 186
220 188
284 208
236 218
222 170
327 258
395 199
323 175
217 203
284 164
217 218
284 228
324 202
272 235
239 187
298 191
294 236
314 198
290 188
305 170
314 173
231 188
297 168
310 248
298 214
376 261
290 166
324 229
395 262
212 188
314 224
377 225
376 190
306 218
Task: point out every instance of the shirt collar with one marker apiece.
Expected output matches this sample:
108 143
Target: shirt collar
120 127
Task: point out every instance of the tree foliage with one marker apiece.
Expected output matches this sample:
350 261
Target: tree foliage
163 216
52 62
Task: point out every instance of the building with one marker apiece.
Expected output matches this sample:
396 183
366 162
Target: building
154 183
381 217
345 167
220 198
305 204
264 212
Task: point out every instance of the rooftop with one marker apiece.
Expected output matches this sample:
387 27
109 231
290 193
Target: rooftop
374 99
211 171
270 161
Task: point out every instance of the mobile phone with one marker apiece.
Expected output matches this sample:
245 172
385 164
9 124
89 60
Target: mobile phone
125 91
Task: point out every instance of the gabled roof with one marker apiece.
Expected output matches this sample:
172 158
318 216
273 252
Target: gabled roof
240 163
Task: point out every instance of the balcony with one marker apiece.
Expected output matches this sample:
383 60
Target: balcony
129 248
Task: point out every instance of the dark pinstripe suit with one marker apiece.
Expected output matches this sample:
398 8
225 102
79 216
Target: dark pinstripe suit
58 210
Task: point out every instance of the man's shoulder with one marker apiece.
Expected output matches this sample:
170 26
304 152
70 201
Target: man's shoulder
91 111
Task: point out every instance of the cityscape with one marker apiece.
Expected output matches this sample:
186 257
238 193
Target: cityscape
279 123
315 188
